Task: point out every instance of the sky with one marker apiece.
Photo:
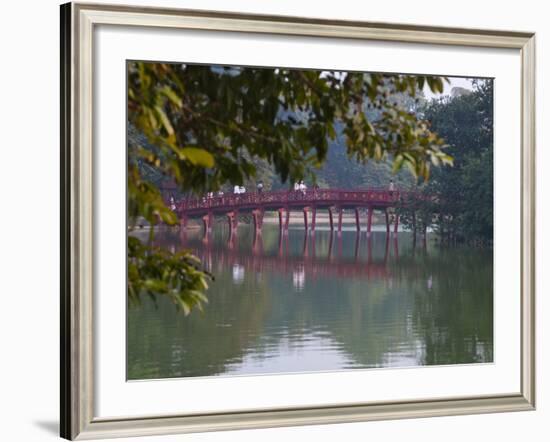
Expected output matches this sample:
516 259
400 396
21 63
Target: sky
454 82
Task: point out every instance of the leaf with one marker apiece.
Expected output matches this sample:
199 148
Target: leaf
165 121
398 162
169 217
198 157
377 151
184 305
447 159
172 96
421 81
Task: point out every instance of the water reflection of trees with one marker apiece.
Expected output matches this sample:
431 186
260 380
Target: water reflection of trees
456 314
401 305
201 344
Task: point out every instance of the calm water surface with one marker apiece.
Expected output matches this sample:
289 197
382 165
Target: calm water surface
322 302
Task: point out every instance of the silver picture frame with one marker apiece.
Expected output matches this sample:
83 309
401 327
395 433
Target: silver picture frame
78 21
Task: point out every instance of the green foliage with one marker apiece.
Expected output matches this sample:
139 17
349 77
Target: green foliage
211 126
197 157
463 209
146 201
160 272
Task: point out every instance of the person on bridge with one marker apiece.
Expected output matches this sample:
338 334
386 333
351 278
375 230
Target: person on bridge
303 187
260 186
391 187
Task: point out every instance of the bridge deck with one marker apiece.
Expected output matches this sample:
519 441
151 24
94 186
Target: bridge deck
319 198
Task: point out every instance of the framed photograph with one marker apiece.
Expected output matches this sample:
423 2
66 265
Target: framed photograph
272 221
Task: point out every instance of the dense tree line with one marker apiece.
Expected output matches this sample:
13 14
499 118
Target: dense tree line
459 199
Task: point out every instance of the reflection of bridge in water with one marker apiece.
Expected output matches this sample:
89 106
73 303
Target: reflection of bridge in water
283 202
308 262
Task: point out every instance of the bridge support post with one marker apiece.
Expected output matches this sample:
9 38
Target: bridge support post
208 221
370 211
357 220
313 218
281 212
258 215
387 221
305 217
340 214
330 220
396 223
233 221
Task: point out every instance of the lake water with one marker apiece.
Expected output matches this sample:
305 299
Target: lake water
318 303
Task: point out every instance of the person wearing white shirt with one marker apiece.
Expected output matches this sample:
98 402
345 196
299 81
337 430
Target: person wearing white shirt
391 187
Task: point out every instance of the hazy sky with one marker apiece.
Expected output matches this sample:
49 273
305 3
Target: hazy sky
455 81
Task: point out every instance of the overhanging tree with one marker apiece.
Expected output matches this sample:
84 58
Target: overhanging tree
209 126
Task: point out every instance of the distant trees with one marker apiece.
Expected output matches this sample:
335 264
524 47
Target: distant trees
463 206
210 124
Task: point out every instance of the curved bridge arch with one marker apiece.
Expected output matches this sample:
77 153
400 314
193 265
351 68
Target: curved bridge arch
284 201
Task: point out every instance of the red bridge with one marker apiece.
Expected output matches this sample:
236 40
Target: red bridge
257 203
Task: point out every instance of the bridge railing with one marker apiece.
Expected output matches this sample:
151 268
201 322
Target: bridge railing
285 197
